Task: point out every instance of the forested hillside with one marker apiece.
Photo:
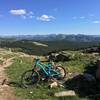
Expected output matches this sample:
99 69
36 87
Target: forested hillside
30 47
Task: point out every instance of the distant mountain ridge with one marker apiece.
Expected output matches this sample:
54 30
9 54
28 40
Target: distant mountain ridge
55 37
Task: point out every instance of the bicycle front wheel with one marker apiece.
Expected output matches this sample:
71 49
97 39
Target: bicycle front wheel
30 78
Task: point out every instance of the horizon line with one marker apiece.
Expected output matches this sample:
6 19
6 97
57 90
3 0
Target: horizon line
45 34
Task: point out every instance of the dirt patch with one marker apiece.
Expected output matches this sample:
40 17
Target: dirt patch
6 92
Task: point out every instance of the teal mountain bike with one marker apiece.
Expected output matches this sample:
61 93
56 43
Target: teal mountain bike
42 72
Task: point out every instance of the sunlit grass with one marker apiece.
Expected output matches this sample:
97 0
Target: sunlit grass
39 92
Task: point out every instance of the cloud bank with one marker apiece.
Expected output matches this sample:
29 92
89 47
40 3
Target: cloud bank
45 18
22 13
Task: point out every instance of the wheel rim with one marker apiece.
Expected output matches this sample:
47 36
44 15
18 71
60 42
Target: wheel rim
61 72
30 78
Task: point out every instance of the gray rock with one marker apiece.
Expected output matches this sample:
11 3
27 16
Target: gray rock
65 93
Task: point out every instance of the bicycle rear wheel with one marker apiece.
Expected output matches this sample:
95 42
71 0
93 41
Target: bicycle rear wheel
62 72
30 78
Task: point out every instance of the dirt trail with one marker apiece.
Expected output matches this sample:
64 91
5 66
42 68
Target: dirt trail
6 92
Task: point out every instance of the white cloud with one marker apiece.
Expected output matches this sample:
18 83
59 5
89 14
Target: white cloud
22 13
96 22
45 18
18 12
82 17
30 15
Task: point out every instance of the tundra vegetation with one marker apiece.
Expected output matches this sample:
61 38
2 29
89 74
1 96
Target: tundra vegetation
24 61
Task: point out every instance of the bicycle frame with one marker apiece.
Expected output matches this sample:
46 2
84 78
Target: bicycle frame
49 66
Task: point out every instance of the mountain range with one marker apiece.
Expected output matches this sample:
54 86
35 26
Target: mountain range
55 37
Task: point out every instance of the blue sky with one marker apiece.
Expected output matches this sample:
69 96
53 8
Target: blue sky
20 17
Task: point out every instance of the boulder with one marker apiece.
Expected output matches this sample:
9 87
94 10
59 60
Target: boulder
60 56
65 93
83 84
98 70
95 54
